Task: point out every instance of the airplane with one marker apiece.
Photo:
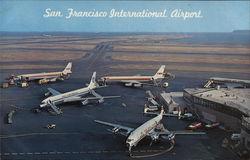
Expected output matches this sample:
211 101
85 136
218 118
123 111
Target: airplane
73 96
44 77
149 128
139 81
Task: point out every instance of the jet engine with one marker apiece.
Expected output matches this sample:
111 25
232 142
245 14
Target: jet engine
137 85
165 84
171 136
43 81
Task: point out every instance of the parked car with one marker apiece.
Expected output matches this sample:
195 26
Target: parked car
235 136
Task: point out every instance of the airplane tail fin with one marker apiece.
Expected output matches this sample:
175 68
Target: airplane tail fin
67 69
93 83
160 73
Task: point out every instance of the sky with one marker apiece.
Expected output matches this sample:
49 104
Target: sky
215 16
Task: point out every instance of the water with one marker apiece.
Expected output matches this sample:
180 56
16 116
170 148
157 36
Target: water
230 37
226 37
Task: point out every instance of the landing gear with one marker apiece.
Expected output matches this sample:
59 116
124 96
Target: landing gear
154 82
67 77
130 151
104 82
36 110
151 143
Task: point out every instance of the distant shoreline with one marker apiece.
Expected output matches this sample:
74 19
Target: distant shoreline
234 37
57 33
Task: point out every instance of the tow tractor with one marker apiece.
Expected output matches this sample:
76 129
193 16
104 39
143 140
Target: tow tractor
50 126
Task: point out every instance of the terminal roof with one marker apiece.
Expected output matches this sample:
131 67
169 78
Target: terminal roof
235 98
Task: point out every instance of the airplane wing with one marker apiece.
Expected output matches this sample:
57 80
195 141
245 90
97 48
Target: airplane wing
130 81
170 135
77 98
55 108
164 114
181 133
54 92
134 83
117 128
52 79
188 133
98 96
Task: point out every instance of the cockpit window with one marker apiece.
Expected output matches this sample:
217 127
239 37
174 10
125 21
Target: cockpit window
129 140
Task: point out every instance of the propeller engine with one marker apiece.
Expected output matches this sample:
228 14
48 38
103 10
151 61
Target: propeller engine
171 136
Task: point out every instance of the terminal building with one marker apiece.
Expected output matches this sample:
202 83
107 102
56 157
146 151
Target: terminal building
174 101
245 132
229 107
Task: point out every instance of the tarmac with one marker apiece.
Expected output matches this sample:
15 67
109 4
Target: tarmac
77 136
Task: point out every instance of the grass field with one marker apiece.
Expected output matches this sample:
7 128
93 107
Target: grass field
184 49
32 67
182 58
10 56
183 68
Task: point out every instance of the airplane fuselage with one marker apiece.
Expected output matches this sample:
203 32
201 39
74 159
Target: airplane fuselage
128 78
65 97
36 76
143 130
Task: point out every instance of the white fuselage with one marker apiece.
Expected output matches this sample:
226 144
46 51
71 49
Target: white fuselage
128 78
36 76
66 97
143 130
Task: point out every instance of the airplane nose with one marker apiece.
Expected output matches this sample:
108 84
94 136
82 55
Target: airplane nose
45 100
129 143
43 103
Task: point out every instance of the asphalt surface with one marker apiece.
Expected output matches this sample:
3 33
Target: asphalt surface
77 136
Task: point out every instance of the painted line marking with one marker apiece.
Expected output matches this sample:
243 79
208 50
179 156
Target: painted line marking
75 152
14 153
67 152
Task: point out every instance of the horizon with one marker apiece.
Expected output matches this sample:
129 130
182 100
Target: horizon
234 31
